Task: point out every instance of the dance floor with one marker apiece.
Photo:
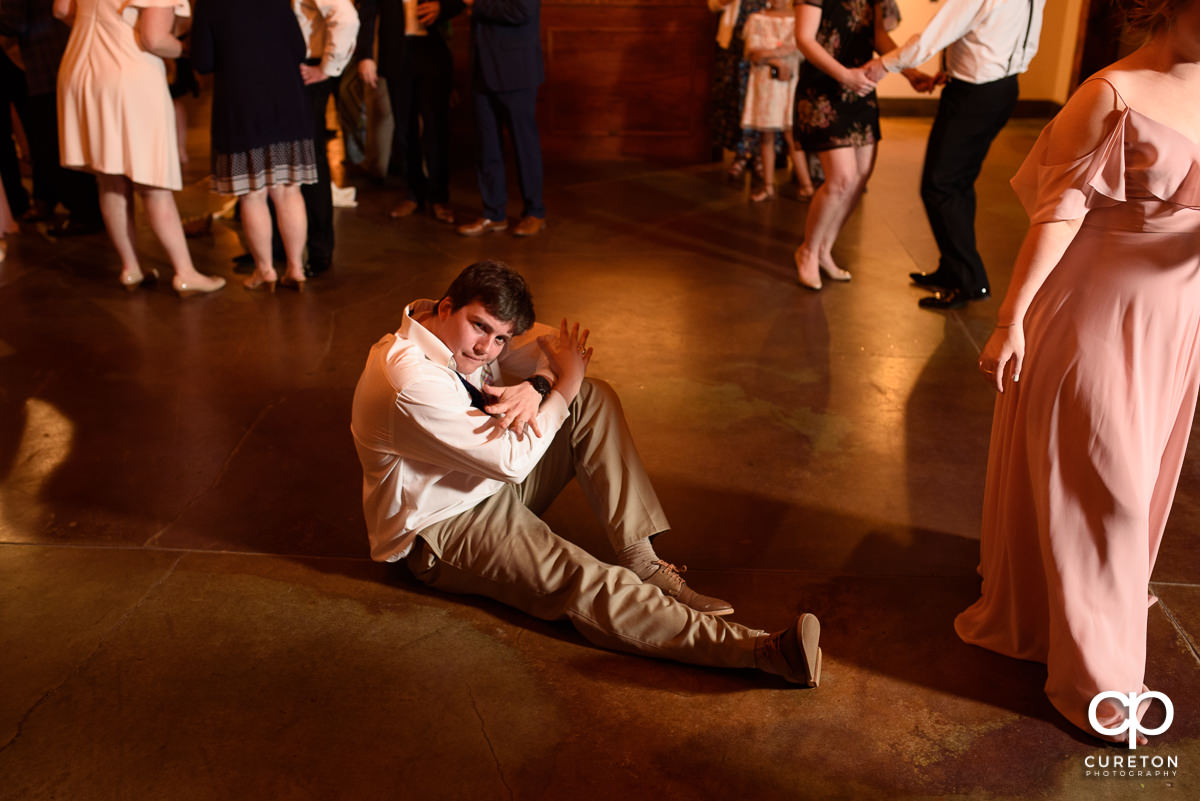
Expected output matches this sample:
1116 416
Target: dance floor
187 610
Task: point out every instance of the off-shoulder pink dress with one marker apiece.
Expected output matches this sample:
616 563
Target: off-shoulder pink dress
1086 450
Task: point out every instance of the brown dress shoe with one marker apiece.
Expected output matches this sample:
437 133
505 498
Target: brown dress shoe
405 209
669 579
482 226
793 653
528 226
442 213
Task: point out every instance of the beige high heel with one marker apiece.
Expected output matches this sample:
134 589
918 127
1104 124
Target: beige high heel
295 284
134 281
800 279
254 283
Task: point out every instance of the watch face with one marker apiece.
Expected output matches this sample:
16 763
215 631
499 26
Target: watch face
540 383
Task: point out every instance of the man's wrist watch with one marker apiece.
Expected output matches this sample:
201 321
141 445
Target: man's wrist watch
540 383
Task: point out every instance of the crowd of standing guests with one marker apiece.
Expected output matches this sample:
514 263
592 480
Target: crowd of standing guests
104 129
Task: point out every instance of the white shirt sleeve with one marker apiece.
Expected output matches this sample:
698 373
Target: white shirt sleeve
442 428
952 22
341 34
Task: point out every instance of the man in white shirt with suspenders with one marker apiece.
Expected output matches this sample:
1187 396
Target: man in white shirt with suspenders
987 43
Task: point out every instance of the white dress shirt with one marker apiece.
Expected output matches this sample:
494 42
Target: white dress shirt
424 449
330 29
985 40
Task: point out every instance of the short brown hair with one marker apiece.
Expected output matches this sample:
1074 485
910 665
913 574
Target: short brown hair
500 289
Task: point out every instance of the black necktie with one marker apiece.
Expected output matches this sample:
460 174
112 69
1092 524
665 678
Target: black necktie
478 399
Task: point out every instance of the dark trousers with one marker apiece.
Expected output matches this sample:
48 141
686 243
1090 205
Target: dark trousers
516 111
12 92
318 197
419 92
968 118
53 183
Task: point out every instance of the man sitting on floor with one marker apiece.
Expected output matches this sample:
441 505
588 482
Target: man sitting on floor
465 436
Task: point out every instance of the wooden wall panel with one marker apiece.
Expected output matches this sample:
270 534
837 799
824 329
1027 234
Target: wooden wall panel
627 80
623 78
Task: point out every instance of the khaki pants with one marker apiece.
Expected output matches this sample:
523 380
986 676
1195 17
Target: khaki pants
501 548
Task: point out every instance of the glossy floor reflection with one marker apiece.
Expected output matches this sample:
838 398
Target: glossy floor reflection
187 610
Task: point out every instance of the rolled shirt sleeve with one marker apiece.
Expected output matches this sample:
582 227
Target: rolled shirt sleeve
952 22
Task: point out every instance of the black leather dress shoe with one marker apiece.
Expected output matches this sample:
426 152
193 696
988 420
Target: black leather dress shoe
952 298
934 280
317 267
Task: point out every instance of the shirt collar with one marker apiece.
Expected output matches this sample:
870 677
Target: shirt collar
434 349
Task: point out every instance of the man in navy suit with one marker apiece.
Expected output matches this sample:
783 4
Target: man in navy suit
506 71
416 61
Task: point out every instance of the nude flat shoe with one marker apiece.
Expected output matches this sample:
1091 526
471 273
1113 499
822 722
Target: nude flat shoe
184 289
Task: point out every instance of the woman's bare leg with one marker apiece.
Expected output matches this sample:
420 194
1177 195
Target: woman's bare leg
799 165
116 207
164 221
292 219
256 223
825 215
766 152
864 163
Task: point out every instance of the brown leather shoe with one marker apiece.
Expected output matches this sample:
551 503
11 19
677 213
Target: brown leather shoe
442 213
529 226
792 653
405 209
482 226
669 579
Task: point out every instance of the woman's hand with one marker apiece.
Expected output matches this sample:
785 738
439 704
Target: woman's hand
857 81
1003 354
513 408
311 75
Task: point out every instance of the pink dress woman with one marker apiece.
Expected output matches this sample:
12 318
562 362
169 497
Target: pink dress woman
1086 448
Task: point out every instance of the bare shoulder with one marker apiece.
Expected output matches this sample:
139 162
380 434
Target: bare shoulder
1085 120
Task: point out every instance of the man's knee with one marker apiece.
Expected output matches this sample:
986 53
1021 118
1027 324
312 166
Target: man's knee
599 394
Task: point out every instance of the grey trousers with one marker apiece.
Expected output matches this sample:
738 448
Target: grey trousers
501 548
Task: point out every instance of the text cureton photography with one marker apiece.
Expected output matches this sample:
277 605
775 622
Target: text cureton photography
1131 765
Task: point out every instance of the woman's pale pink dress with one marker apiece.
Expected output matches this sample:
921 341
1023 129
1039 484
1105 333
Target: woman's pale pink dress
115 114
1086 450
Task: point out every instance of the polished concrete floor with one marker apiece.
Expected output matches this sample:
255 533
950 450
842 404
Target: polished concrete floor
187 610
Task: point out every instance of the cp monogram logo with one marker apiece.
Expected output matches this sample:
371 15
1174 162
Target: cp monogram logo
1130 723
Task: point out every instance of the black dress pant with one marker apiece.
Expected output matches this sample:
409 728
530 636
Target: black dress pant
516 111
12 92
969 117
53 183
419 91
318 197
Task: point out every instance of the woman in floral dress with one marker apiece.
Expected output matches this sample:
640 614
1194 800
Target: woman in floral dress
837 116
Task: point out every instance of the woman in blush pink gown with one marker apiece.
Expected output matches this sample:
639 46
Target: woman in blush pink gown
1101 325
